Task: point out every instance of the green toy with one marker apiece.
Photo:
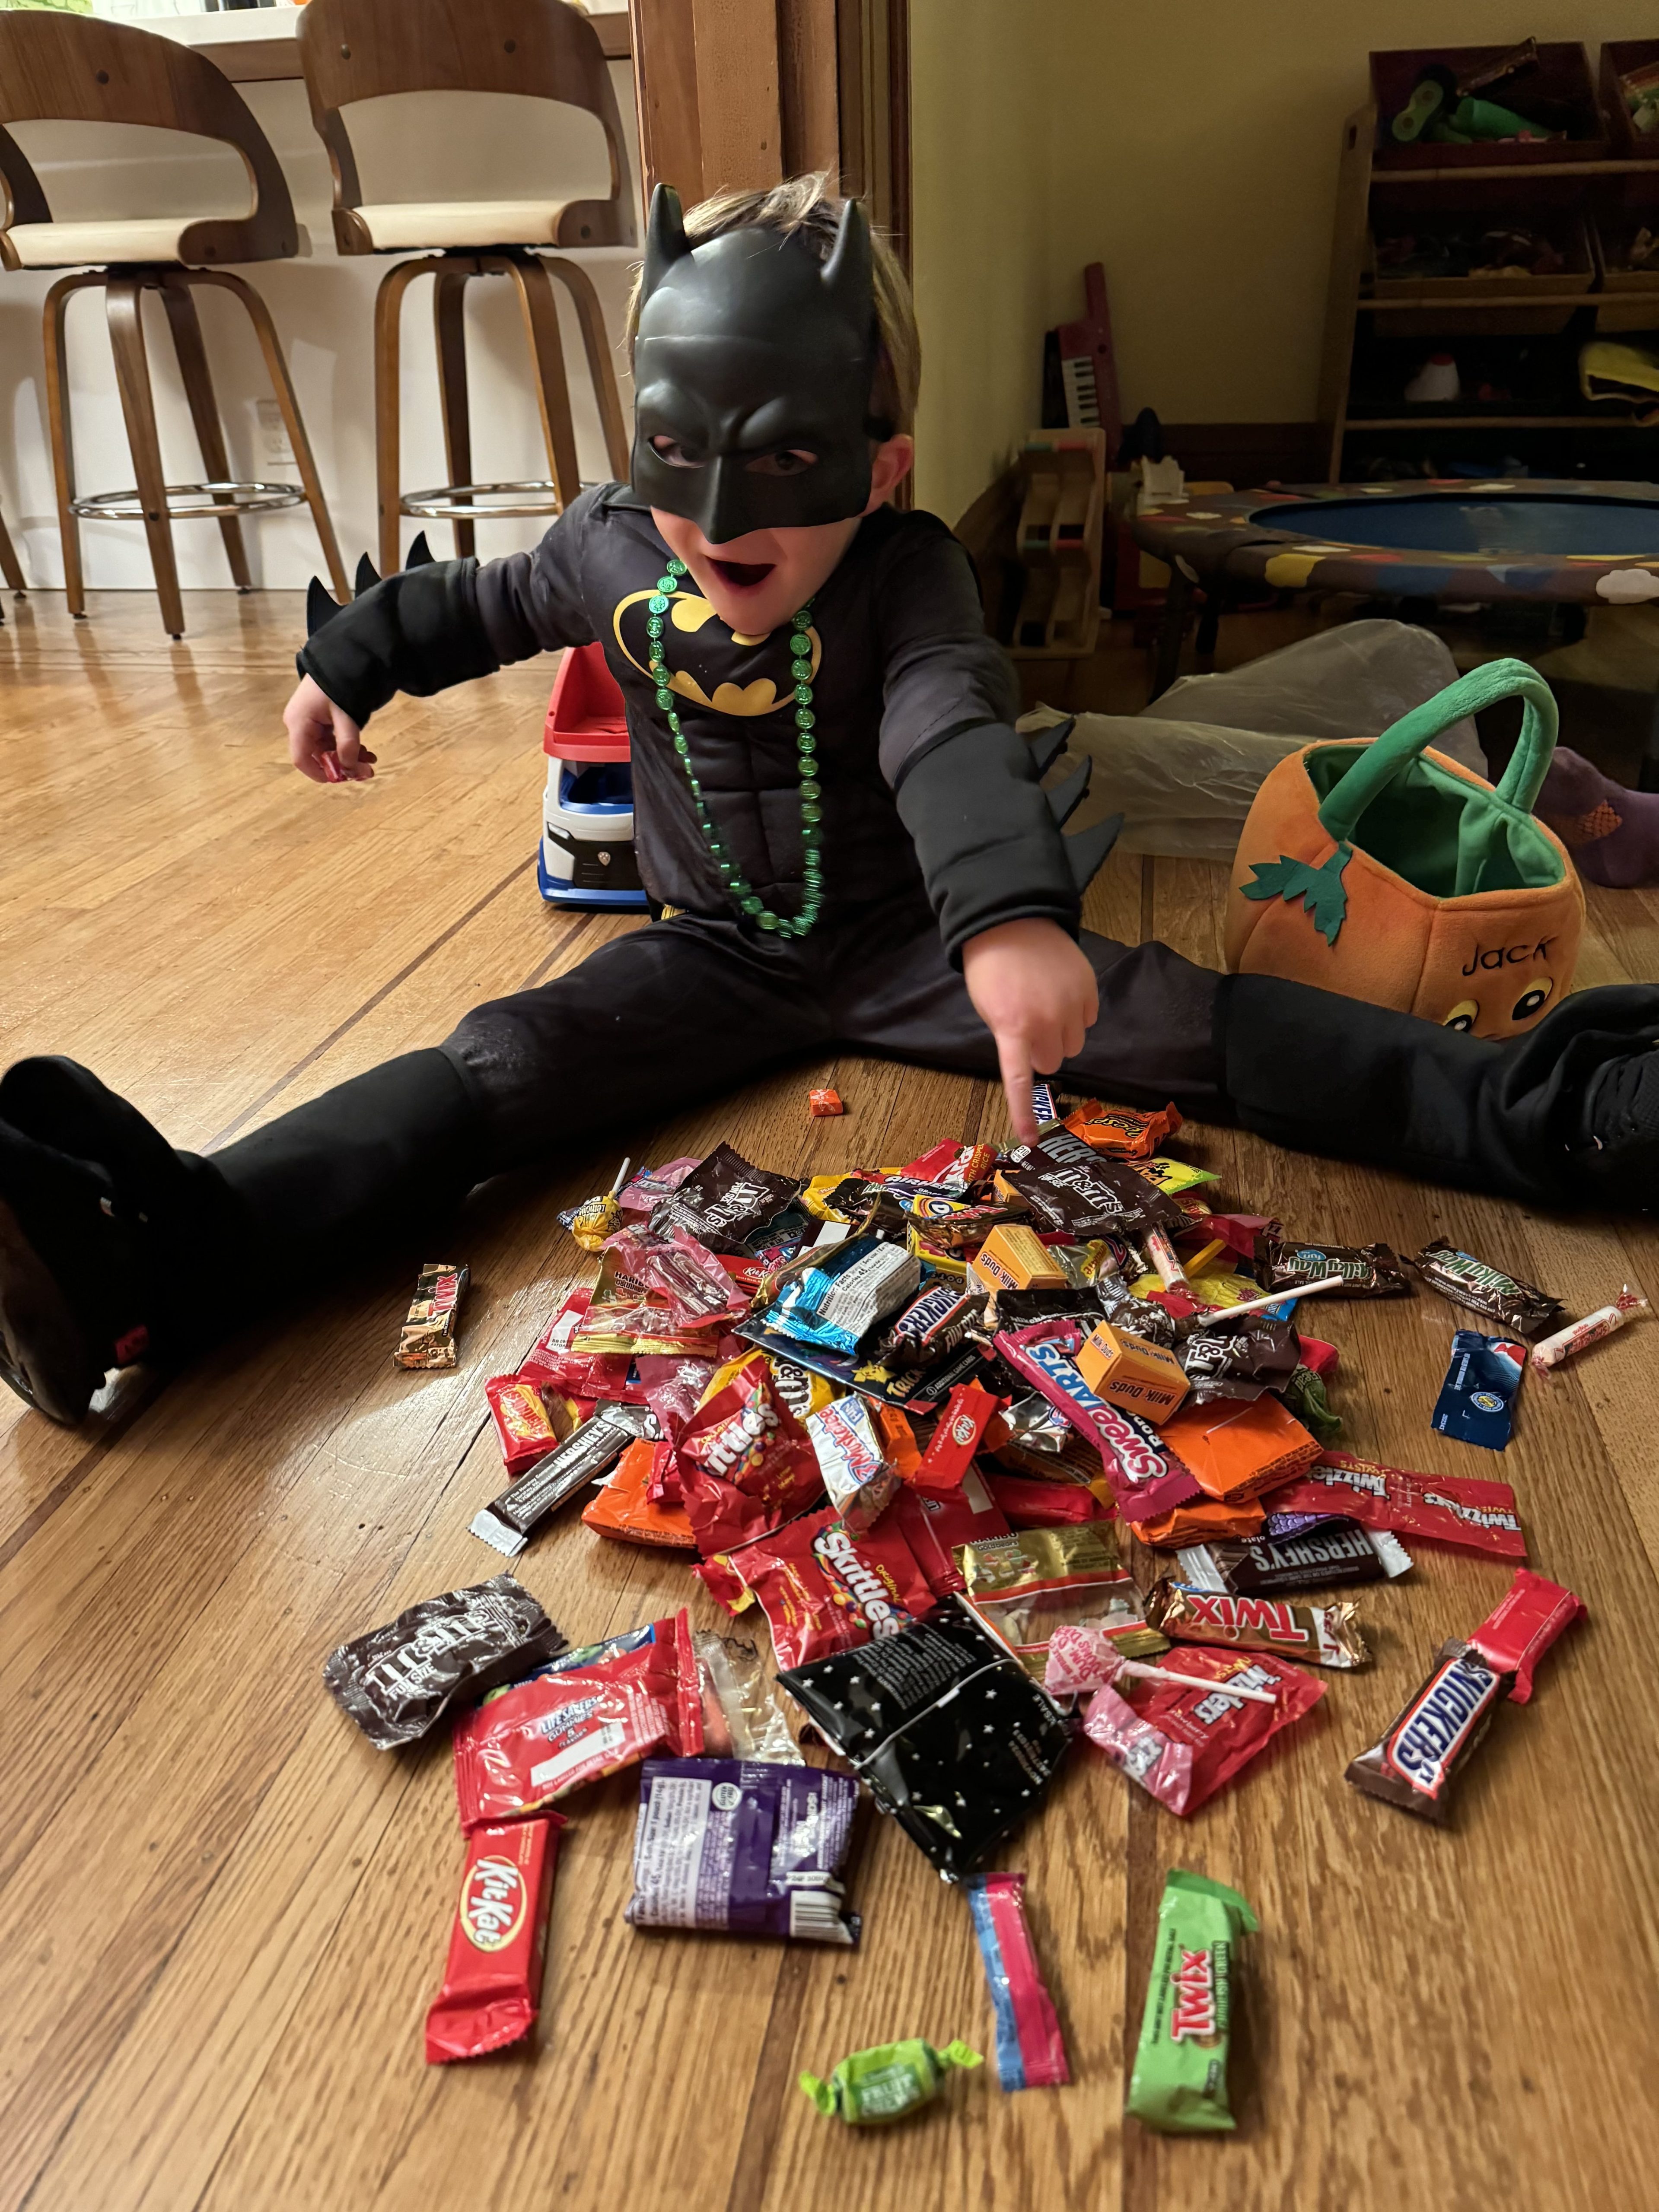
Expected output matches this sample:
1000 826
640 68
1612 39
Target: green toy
1180 2080
888 2081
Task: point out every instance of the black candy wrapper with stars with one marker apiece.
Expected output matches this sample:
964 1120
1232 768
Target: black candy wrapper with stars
956 1740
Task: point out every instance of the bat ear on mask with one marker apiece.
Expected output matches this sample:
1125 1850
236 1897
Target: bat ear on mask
850 273
666 241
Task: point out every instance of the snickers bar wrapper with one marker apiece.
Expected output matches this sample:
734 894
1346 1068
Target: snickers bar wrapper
1422 1753
1180 2080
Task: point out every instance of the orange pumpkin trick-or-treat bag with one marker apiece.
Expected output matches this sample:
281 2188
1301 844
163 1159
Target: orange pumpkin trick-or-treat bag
1382 870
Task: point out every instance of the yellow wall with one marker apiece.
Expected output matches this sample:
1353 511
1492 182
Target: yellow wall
1191 146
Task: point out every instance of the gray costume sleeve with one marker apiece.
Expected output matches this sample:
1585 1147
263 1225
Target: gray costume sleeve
966 788
425 629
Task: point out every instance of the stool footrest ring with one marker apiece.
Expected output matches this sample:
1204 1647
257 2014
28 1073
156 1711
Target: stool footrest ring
482 502
192 502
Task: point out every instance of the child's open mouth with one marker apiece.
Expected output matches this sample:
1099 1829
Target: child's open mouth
743 575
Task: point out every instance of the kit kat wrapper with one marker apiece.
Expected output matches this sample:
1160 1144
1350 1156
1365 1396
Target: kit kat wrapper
1465 1510
498 1945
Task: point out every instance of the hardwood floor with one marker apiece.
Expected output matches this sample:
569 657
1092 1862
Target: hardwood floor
222 1914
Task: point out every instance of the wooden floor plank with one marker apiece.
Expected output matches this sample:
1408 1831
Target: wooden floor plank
223 2010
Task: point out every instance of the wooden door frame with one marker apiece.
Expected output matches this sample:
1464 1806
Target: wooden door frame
740 94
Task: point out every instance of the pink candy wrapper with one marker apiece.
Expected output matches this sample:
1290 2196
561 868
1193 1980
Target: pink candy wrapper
1030 2049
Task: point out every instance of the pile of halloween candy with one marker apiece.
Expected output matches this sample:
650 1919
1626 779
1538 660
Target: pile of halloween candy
915 1424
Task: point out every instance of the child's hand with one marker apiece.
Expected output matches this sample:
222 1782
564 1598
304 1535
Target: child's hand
323 741
1033 989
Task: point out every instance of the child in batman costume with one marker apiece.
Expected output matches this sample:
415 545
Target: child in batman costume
849 839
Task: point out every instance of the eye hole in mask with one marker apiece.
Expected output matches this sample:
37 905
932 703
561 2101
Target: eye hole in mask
792 461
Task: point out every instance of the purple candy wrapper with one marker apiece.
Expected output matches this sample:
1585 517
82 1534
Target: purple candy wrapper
740 1845
1294 1524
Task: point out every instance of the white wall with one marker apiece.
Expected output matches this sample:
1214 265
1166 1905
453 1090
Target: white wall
323 307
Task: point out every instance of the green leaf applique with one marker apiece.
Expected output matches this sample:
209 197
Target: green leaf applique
1320 890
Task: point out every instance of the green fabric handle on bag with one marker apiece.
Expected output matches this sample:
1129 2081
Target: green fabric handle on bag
1447 836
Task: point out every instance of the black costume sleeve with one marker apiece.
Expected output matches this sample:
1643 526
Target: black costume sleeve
425 629
966 787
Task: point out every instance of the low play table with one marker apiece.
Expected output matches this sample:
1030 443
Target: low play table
1571 543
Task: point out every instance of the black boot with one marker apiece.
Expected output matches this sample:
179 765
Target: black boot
114 1247
1566 1115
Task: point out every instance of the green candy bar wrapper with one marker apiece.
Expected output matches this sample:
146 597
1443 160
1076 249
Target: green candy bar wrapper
887 2082
1180 2080
1304 1395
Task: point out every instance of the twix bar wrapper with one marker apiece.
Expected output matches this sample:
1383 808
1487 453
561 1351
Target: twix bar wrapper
427 1338
1321 1635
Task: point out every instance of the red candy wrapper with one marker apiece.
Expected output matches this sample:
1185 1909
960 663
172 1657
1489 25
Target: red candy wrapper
694 1288
951 1167
1183 1746
523 1426
824 1590
960 1432
746 1463
1529 1616
1033 1501
935 1523
492 1984
1475 1516
825 1102
1147 1478
1030 2049
578 1374
578 1720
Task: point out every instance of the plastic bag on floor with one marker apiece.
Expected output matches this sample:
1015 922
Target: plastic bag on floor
1184 773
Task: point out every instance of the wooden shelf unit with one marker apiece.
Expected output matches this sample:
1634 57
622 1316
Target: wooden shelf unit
1347 300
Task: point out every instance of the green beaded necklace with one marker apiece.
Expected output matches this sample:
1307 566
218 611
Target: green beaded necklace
806 745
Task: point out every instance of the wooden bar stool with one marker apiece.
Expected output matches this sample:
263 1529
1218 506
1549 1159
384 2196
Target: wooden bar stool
362 50
59 67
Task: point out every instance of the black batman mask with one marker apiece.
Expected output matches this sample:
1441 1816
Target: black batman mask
750 354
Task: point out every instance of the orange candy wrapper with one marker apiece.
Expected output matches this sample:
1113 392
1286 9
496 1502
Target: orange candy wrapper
1122 1130
623 1509
1235 1450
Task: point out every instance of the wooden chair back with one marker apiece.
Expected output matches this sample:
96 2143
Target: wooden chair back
358 49
79 69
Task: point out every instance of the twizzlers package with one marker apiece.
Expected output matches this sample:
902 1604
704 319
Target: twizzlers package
1474 1514
825 1588
745 1462
1147 1479
579 1720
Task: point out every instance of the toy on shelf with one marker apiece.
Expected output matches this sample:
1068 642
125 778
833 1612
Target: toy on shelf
1058 543
1088 368
587 856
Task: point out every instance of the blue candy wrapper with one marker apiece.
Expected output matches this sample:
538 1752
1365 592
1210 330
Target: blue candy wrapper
1476 1403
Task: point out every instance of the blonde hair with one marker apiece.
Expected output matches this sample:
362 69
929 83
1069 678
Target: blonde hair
807 203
